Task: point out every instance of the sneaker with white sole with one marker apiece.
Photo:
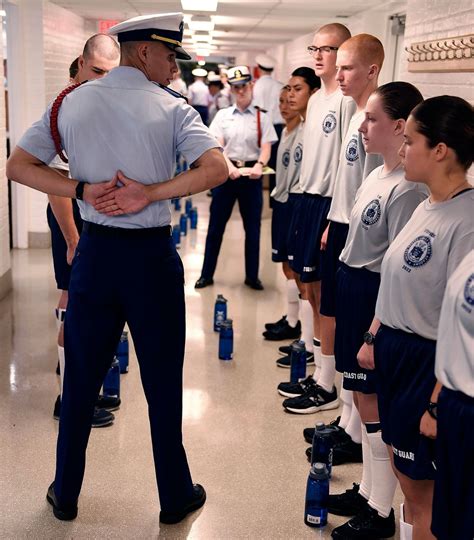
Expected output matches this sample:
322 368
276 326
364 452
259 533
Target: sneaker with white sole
367 525
285 350
285 361
289 389
315 399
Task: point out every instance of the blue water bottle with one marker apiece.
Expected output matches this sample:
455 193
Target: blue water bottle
298 362
226 340
321 451
177 236
193 217
317 496
177 203
183 225
220 312
111 386
188 205
122 352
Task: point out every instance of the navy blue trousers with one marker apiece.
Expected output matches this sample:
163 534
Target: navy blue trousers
135 277
203 112
248 193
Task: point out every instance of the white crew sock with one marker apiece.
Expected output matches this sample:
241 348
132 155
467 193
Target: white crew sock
366 482
317 359
61 357
406 530
347 404
354 427
292 295
328 372
306 314
60 314
384 481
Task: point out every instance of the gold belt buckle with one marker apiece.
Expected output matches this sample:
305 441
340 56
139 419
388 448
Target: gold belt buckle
239 163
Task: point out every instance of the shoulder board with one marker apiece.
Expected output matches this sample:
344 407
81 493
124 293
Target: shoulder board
260 109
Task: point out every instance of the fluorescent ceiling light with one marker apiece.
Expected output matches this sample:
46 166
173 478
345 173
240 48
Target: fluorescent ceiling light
201 22
199 5
199 37
202 62
203 52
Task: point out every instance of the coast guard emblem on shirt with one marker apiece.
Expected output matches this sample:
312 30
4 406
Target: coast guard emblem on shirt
285 159
329 123
371 213
298 153
352 150
418 252
469 290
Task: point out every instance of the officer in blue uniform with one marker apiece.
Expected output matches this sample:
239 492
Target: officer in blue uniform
247 134
125 126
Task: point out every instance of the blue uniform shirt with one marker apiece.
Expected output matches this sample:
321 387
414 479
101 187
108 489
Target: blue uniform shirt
123 122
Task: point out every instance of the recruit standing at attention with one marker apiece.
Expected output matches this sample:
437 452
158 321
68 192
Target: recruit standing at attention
126 269
246 133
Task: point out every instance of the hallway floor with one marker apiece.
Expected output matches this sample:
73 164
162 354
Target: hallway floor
246 451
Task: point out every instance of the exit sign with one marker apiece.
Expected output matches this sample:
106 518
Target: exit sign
104 25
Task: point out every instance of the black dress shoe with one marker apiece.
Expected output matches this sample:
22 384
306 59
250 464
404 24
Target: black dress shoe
60 512
282 332
198 500
255 284
203 282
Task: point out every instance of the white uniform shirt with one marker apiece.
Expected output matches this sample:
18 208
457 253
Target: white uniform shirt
383 205
420 261
454 366
354 166
198 94
327 120
178 85
284 157
266 95
239 132
123 122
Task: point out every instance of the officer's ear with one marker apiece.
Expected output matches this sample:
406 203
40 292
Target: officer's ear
143 51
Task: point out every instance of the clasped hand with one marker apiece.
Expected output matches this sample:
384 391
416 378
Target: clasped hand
112 199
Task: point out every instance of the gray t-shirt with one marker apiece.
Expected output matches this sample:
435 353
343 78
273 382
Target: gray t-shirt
383 205
296 157
354 166
327 120
420 261
454 366
284 155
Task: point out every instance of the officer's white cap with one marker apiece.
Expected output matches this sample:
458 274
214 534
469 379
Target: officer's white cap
238 75
164 27
265 61
199 72
213 77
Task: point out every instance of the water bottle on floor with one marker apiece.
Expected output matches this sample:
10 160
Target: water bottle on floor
111 386
226 340
122 352
183 224
193 217
298 361
187 206
321 451
177 203
317 496
177 236
220 312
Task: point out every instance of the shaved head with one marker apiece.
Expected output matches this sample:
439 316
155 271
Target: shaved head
338 30
366 48
103 46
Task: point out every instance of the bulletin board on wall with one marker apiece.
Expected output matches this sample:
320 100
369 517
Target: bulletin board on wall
453 54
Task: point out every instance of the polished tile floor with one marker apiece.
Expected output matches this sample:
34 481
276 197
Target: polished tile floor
241 445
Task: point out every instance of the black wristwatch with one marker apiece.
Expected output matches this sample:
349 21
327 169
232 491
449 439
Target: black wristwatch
369 338
261 163
433 410
80 190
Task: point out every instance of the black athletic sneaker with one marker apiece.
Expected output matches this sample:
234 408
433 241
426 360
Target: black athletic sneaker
282 332
101 418
347 451
349 503
368 525
285 361
338 433
285 350
272 325
315 399
289 389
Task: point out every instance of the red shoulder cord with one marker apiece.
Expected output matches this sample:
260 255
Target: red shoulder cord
53 121
259 129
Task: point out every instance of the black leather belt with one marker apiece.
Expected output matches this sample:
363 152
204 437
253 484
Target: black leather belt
241 163
102 230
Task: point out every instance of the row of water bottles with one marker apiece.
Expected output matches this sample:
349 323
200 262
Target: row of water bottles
224 326
111 385
190 213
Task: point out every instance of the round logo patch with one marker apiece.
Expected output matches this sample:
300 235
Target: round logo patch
298 153
285 159
352 150
469 290
329 123
418 252
371 213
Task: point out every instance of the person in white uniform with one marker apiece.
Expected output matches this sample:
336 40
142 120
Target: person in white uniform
198 93
126 225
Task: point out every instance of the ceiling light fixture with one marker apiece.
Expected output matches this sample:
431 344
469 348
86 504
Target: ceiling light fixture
201 22
199 5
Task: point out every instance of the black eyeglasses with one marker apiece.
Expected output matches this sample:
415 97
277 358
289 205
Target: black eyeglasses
326 49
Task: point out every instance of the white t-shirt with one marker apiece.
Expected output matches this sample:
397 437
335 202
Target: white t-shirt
420 261
198 94
284 158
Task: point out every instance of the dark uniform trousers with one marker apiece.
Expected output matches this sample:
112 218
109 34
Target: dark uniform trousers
119 276
249 195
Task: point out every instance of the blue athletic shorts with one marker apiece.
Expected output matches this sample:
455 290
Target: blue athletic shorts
280 224
294 206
